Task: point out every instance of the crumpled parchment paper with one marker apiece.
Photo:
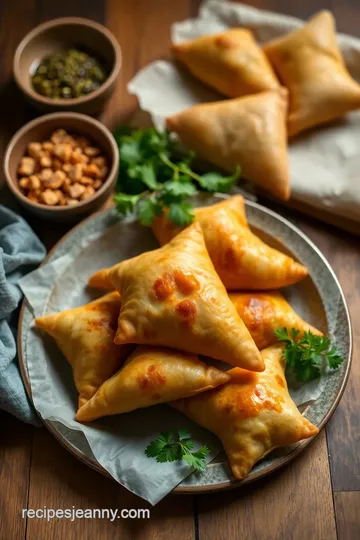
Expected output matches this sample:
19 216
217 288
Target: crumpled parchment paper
324 163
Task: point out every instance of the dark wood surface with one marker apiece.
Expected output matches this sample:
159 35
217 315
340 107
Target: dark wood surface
317 497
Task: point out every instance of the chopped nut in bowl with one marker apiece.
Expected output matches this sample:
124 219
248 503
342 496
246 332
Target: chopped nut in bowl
62 170
62 166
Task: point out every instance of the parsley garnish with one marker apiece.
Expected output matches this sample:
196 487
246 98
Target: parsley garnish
308 355
148 163
179 446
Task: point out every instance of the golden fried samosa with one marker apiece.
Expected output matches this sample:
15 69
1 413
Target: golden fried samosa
85 335
309 63
173 297
241 259
251 414
230 62
248 131
151 375
265 312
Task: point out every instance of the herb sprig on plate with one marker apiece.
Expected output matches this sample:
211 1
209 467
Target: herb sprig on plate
308 355
152 177
177 446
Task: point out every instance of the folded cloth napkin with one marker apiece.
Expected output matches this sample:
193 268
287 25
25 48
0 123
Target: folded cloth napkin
20 252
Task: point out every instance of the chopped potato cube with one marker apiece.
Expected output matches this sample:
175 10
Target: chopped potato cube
45 161
92 170
50 197
91 151
63 151
34 182
76 171
27 166
97 184
56 180
34 150
76 190
58 136
24 182
89 192
46 174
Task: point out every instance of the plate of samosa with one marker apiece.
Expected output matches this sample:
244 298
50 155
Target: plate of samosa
191 325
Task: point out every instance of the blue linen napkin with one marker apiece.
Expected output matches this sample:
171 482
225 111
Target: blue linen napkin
20 252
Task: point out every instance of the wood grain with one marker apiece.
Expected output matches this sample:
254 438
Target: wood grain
58 480
347 507
295 503
343 430
15 451
143 31
91 9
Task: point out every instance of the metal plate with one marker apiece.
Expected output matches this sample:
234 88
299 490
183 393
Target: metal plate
321 302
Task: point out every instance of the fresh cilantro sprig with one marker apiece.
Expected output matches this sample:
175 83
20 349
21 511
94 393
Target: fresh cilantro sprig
152 178
175 447
307 356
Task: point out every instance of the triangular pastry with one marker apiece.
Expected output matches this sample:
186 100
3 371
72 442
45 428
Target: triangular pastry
248 131
265 312
173 297
230 62
85 335
251 414
151 375
241 259
309 63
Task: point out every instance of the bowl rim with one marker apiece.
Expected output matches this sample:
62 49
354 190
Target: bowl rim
43 119
63 21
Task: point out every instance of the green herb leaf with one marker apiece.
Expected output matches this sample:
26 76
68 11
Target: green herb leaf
125 204
214 181
169 447
130 151
148 161
179 188
184 434
308 355
181 213
147 210
145 173
334 358
157 446
196 460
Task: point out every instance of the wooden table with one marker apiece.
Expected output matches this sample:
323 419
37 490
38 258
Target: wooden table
317 497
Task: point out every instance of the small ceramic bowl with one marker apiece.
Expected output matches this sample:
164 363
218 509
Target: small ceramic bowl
39 130
60 34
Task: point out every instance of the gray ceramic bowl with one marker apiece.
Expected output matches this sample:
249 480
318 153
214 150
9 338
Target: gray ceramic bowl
39 130
59 34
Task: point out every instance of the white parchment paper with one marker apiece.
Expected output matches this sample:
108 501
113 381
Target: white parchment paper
117 442
324 163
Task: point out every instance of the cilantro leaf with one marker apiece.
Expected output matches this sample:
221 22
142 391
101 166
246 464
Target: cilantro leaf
196 460
334 358
282 334
130 151
214 181
175 189
145 173
148 162
147 210
125 204
158 445
307 355
184 434
168 447
181 213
